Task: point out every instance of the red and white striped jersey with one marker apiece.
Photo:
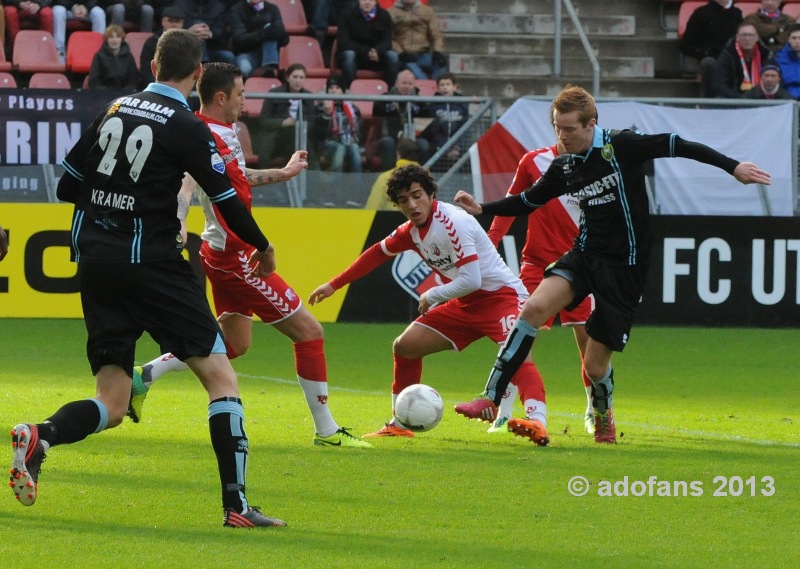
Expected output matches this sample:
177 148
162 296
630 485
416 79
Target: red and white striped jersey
552 228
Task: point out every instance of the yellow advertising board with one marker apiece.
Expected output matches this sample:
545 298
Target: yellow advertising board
37 279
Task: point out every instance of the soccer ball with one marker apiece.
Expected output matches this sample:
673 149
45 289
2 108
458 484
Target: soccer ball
419 407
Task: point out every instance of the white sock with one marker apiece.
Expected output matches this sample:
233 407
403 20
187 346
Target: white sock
161 365
316 393
588 389
535 409
507 402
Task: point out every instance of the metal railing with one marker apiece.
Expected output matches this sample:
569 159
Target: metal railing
584 42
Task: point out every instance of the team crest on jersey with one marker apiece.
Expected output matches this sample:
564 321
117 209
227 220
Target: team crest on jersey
218 163
607 152
413 274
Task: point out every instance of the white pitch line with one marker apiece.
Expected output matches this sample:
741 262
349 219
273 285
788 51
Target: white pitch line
642 426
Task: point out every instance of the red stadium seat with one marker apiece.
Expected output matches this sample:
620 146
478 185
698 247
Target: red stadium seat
792 10
252 107
315 84
135 41
293 16
748 8
685 12
427 87
7 80
35 51
367 87
305 50
81 47
43 80
5 65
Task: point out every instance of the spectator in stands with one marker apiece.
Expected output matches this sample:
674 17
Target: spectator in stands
738 67
364 41
171 18
258 34
417 38
771 24
35 14
708 30
85 10
208 20
327 13
113 66
136 12
279 118
407 153
447 118
335 133
789 61
397 119
770 85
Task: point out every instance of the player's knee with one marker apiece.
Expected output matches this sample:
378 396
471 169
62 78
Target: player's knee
595 370
402 349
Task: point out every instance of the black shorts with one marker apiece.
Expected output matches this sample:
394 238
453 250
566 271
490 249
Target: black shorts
164 299
617 291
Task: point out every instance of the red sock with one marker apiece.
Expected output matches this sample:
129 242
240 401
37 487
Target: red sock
309 360
529 382
586 381
406 372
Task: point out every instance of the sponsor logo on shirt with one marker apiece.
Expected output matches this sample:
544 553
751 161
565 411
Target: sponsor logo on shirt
218 163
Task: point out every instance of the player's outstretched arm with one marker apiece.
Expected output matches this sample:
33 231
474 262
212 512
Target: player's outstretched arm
263 263
321 293
749 173
297 163
467 202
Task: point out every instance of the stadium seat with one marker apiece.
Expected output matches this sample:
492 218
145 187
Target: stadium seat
360 74
792 10
135 41
427 87
685 12
7 80
293 16
367 87
748 8
315 84
35 51
250 157
5 65
43 80
81 47
305 50
252 107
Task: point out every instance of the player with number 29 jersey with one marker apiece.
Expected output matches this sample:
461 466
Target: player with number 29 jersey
127 174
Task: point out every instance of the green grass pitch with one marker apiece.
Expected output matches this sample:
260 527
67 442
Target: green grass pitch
718 407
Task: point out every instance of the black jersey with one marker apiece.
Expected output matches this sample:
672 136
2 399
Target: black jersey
609 182
125 172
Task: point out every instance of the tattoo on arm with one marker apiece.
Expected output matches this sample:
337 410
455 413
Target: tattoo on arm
183 207
261 177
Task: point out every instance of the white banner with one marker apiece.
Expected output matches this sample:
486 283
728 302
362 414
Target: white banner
684 187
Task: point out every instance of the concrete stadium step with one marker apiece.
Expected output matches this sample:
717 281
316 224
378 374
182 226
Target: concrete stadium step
542 66
664 52
451 22
507 90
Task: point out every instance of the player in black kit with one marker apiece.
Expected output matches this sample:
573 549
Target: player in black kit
123 176
604 169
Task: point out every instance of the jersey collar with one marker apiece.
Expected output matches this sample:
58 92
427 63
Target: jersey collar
167 91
